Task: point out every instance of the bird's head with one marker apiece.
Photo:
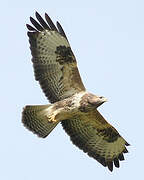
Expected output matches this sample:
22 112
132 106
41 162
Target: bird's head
96 101
90 101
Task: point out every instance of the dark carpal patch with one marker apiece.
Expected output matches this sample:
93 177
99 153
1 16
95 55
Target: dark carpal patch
64 55
109 134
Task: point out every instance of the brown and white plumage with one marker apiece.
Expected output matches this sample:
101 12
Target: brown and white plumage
56 70
53 60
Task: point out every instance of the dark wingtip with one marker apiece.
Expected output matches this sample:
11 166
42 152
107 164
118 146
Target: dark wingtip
36 13
121 157
46 15
30 28
41 21
29 34
125 150
50 23
110 165
31 19
127 144
103 162
41 24
61 31
36 24
116 162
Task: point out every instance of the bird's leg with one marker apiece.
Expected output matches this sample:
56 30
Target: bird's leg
52 117
60 111
56 115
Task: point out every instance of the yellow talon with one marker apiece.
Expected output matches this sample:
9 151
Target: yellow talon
51 118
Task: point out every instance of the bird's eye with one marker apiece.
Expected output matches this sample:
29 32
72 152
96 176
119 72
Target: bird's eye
101 97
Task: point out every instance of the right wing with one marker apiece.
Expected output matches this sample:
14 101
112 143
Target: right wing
54 63
95 136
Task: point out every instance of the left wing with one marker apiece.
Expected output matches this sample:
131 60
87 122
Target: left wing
95 136
54 63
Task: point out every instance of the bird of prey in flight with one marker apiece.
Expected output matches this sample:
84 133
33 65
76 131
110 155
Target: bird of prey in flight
55 68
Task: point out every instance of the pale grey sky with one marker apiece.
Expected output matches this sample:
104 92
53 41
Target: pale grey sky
107 38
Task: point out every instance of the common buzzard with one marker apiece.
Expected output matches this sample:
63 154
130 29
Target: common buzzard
55 68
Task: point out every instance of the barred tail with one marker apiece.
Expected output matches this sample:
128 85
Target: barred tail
35 119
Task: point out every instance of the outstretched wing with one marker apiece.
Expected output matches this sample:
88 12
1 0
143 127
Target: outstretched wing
54 63
95 136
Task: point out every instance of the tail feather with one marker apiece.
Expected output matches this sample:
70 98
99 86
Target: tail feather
35 119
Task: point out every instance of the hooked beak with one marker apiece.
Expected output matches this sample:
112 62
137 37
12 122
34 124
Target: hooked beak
105 99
